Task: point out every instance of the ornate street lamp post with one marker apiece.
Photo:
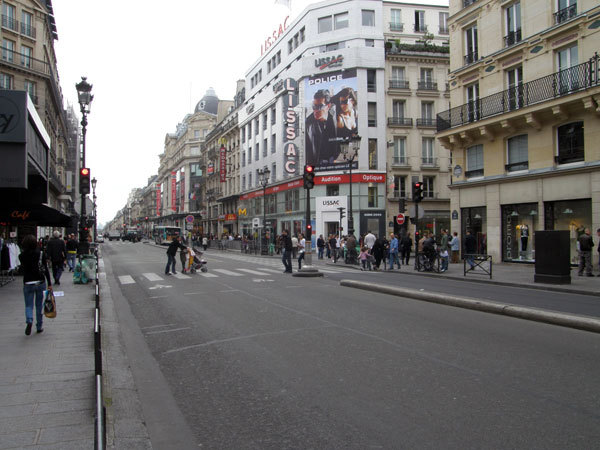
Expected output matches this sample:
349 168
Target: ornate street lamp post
85 97
349 150
263 179
95 230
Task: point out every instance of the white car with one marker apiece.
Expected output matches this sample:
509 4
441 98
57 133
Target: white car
100 238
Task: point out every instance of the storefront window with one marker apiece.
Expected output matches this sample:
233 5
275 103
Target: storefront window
572 215
518 225
475 219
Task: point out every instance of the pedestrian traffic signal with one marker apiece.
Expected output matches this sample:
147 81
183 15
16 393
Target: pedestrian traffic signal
417 191
84 181
309 176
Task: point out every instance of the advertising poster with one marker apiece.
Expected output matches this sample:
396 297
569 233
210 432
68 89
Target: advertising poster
331 117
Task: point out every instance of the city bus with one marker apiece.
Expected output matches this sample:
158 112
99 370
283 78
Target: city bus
163 235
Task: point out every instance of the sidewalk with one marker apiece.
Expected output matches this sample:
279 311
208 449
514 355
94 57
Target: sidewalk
47 387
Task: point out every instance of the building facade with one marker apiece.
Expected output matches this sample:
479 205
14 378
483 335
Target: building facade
525 91
417 62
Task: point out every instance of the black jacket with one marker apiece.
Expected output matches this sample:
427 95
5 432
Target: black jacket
173 247
56 250
30 264
286 242
470 244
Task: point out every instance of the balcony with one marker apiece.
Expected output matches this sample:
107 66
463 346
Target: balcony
443 30
21 60
514 167
28 30
399 161
10 23
571 155
565 82
471 57
420 28
474 173
427 85
399 84
398 194
468 3
512 38
394 26
426 123
400 122
429 162
562 15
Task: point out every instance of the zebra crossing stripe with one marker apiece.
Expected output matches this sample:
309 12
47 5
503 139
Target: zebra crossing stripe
126 279
208 275
253 272
228 272
181 276
270 270
152 276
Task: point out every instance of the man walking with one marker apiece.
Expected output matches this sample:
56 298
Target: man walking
56 251
294 247
405 248
455 247
71 252
470 249
286 246
444 250
321 246
586 244
370 240
171 252
393 255
333 243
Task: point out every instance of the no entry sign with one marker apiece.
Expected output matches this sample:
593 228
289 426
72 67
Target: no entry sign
400 219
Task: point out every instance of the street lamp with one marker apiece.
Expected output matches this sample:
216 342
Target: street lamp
349 149
85 97
263 179
94 182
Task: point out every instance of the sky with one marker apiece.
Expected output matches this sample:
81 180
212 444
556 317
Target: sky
150 62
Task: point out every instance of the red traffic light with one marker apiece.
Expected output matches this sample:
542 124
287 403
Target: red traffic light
85 171
309 168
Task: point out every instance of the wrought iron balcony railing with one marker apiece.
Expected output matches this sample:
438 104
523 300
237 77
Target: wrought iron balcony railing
513 167
27 30
394 26
12 57
429 161
558 84
512 38
398 194
474 173
471 57
468 3
399 161
420 28
426 85
399 84
10 23
565 13
400 121
426 122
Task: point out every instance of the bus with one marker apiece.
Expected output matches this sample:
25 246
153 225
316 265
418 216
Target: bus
163 235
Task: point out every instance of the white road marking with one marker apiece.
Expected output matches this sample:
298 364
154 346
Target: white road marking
152 276
253 272
158 326
228 272
208 275
126 279
168 331
271 270
160 286
181 276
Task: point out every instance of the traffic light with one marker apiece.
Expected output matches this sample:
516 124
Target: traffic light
309 229
309 176
417 191
342 214
401 206
84 181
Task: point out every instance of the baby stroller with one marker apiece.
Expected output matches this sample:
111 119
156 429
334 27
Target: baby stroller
197 262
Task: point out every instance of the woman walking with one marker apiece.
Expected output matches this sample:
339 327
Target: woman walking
35 276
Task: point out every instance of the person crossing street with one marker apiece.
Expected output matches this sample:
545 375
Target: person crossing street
171 252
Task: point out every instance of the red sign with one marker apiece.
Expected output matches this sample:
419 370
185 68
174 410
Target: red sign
174 191
276 34
356 178
223 164
158 199
400 219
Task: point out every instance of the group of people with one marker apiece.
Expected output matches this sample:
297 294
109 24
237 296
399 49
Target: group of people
187 255
291 247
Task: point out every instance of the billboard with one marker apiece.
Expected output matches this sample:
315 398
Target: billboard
331 117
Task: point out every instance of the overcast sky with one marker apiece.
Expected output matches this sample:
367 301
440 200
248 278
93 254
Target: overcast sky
150 62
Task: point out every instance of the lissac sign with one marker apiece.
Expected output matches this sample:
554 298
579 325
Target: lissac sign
291 129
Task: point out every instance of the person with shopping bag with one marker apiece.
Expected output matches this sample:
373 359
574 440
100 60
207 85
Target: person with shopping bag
35 277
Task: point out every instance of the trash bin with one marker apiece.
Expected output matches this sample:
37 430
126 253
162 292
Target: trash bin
552 257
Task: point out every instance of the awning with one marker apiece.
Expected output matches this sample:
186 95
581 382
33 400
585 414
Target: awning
40 215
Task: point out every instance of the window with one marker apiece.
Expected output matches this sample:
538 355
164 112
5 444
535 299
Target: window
26 55
9 19
369 42
398 80
372 196
473 102
325 24
27 24
250 154
398 110
513 24
514 79
474 161
264 120
566 59
273 144
243 134
249 180
256 152
197 133
471 46
426 81
265 148
8 50
443 23
273 173
565 11
292 200
243 159
249 130
6 81
427 111
372 111
372 154
399 186
396 20
332 190
243 182
517 153
427 151
399 157
371 80
340 21
368 18
570 143
428 187
273 115
420 26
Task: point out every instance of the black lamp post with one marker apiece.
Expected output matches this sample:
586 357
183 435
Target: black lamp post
95 231
85 97
263 175
349 150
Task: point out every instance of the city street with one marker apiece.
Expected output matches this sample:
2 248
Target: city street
246 356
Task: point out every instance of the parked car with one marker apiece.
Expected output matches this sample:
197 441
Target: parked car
100 238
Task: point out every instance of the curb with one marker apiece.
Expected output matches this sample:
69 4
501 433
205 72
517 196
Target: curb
506 309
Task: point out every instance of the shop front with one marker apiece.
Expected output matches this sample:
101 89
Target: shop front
373 221
475 220
572 215
519 222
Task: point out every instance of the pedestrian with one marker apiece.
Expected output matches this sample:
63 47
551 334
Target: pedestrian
364 258
378 251
333 243
204 242
393 251
71 247
321 246
294 246
470 249
183 256
585 244
301 247
455 247
57 253
286 248
35 277
171 252
370 239
405 248
444 250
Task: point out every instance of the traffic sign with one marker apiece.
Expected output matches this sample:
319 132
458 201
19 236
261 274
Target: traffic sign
189 219
400 219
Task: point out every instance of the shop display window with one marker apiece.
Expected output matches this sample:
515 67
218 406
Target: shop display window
518 225
572 215
475 219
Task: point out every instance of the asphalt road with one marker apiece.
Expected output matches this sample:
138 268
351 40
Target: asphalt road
253 358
